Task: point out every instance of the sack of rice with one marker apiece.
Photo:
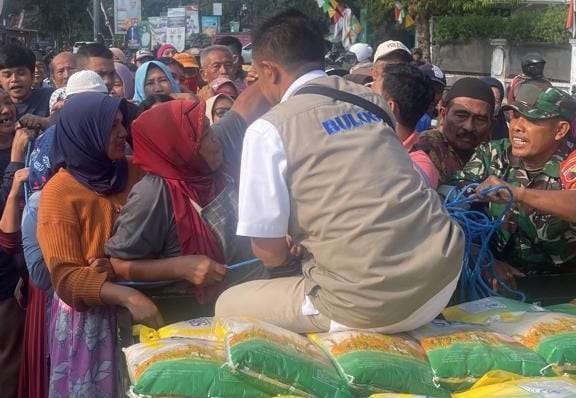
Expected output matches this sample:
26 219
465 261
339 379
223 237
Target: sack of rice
372 362
278 361
460 354
488 309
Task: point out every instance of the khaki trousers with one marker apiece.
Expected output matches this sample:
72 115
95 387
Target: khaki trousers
276 301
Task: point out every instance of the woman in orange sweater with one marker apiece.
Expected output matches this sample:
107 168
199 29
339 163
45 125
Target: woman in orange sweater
76 214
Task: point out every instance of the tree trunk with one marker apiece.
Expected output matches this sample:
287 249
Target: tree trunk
423 34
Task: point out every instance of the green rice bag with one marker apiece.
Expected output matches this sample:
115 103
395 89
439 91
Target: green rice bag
193 378
372 362
182 367
551 334
460 354
488 309
280 362
567 308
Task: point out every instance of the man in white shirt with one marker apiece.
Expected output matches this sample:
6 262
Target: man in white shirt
333 176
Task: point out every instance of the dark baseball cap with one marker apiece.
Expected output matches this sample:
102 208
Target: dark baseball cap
536 103
434 73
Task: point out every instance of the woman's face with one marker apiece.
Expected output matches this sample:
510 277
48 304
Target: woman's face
117 138
169 53
211 149
117 87
157 83
221 106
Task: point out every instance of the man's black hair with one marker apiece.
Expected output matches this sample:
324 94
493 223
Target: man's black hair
411 89
231 42
93 50
14 56
289 38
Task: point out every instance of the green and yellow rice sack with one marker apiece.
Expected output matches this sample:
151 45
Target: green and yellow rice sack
181 367
460 354
278 361
551 334
372 362
567 308
488 309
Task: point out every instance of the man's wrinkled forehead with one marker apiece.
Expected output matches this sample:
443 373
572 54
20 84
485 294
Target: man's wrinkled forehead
471 105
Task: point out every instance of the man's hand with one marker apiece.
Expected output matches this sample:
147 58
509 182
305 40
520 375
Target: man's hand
34 122
20 177
504 273
202 270
501 196
252 103
20 143
251 77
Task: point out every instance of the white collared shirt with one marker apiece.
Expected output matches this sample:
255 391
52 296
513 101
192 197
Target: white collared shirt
264 202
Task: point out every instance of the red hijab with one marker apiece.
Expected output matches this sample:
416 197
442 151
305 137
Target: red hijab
167 143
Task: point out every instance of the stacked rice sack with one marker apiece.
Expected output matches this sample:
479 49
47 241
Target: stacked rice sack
467 353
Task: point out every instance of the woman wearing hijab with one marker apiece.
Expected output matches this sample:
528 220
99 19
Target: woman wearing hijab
217 107
77 210
123 86
500 128
154 78
180 220
166 50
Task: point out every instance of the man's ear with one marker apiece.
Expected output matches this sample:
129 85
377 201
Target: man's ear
203 74
271 71
563 128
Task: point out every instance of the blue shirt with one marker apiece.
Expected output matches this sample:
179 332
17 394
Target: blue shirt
32 254
425 123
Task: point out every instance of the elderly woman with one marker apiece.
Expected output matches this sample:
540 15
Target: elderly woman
154 78
123 86
77 210
180 219
217 107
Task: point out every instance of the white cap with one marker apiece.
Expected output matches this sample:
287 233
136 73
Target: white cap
362 50
389 47
85 81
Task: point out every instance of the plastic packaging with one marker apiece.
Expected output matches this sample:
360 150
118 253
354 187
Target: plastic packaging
278 361
502 385
488 310
373 362
200 328
551 334
460 354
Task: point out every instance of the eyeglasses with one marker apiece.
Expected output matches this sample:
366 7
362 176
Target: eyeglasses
220 112
216 66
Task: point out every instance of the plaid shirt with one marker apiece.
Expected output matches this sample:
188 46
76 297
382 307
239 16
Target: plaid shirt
529 240
444 157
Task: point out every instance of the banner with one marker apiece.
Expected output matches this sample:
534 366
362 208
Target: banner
127 14
157 31
192 22
210 25
176 31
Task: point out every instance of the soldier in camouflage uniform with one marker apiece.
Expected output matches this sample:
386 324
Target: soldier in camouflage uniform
539 234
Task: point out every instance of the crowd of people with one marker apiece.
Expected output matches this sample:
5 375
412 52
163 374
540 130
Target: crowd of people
181 168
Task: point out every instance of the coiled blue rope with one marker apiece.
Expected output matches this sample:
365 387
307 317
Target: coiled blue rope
478 230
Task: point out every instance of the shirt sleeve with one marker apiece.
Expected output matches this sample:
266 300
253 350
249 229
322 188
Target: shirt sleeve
423 161
32 254
264 203
145 228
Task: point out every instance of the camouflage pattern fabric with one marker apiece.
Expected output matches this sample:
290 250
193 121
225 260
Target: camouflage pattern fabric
446 160
528 240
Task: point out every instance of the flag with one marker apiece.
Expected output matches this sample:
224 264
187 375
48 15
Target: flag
570 23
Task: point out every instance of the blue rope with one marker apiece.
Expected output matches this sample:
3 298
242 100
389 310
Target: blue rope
478 230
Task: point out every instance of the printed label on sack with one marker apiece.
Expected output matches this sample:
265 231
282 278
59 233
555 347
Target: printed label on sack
550 389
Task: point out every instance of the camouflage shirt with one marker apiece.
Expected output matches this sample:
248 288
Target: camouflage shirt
444 157
528 239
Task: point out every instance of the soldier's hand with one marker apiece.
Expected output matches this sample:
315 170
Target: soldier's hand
486 191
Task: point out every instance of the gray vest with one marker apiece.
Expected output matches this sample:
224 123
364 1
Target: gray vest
381 243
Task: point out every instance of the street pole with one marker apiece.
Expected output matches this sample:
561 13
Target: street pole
96 17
